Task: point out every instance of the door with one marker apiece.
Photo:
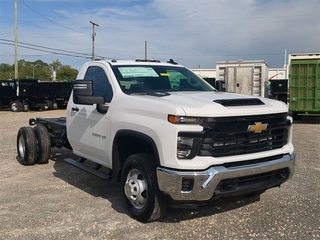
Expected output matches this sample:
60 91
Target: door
239 79
243 80
87 128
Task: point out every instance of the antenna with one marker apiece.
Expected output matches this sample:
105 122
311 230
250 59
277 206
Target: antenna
285 58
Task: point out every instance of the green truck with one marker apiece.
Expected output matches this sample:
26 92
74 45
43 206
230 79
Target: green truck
304 85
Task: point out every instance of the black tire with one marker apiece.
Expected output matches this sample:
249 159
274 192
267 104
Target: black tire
49 105
144 201
16 106
44 144
26 146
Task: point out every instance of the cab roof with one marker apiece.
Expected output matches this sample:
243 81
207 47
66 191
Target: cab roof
141 62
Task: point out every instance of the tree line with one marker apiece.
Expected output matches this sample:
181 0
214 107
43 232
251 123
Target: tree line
39 70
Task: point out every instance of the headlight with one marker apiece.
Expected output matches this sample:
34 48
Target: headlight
184 120
187 147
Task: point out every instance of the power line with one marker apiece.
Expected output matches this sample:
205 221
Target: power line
39 46
87 55
50 19
52 52
46 49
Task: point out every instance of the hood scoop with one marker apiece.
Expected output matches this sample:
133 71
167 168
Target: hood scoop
239 102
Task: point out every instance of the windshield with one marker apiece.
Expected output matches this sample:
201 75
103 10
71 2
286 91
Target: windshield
149 78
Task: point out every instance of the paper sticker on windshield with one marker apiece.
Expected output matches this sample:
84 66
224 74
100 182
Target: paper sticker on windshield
129 72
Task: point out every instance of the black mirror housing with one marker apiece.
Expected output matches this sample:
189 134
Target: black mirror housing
83 93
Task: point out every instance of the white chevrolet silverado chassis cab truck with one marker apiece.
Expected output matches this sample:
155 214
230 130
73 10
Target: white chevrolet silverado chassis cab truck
166 135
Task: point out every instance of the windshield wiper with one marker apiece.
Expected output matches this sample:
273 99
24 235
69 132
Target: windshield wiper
158 94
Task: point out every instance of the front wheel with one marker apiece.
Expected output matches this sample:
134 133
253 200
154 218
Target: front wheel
144 201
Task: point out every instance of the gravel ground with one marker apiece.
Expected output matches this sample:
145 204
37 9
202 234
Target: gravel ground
59 201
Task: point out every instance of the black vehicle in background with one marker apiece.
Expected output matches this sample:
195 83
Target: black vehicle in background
218 84
32 94
279 89
8 92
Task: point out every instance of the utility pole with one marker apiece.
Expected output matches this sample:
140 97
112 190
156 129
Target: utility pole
93 35
16 39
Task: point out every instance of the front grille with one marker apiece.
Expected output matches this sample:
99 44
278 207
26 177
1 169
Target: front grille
229 136
241 123
226 144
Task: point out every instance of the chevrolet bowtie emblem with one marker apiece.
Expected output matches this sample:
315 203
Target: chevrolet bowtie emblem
258 127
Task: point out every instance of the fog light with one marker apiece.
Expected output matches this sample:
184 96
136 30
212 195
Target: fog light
187 184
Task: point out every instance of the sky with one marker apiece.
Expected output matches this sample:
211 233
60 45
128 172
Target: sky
195 33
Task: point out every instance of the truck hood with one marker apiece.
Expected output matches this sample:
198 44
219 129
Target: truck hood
210 104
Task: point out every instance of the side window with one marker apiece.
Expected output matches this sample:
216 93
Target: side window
101 84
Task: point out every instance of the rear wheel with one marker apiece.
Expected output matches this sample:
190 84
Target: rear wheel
143 199
44 144
16 106
48 105
26 146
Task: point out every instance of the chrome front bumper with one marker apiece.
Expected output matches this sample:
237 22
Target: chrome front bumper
206 182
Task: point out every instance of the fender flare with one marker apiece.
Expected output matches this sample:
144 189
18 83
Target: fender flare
116 163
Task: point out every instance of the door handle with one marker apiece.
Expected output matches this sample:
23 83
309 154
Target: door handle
75 109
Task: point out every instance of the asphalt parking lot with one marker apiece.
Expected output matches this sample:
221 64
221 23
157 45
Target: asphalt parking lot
59 201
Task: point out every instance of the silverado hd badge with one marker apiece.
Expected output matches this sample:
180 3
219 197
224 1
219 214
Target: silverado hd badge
258 127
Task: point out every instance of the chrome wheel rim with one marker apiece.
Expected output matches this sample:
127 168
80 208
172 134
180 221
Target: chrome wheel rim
135 189
21 146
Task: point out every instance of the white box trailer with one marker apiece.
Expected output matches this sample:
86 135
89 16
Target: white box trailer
245 77
277 73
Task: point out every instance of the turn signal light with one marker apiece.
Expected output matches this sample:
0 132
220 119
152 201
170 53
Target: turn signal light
184 120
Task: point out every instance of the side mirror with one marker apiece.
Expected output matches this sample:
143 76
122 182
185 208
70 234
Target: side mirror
83 93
